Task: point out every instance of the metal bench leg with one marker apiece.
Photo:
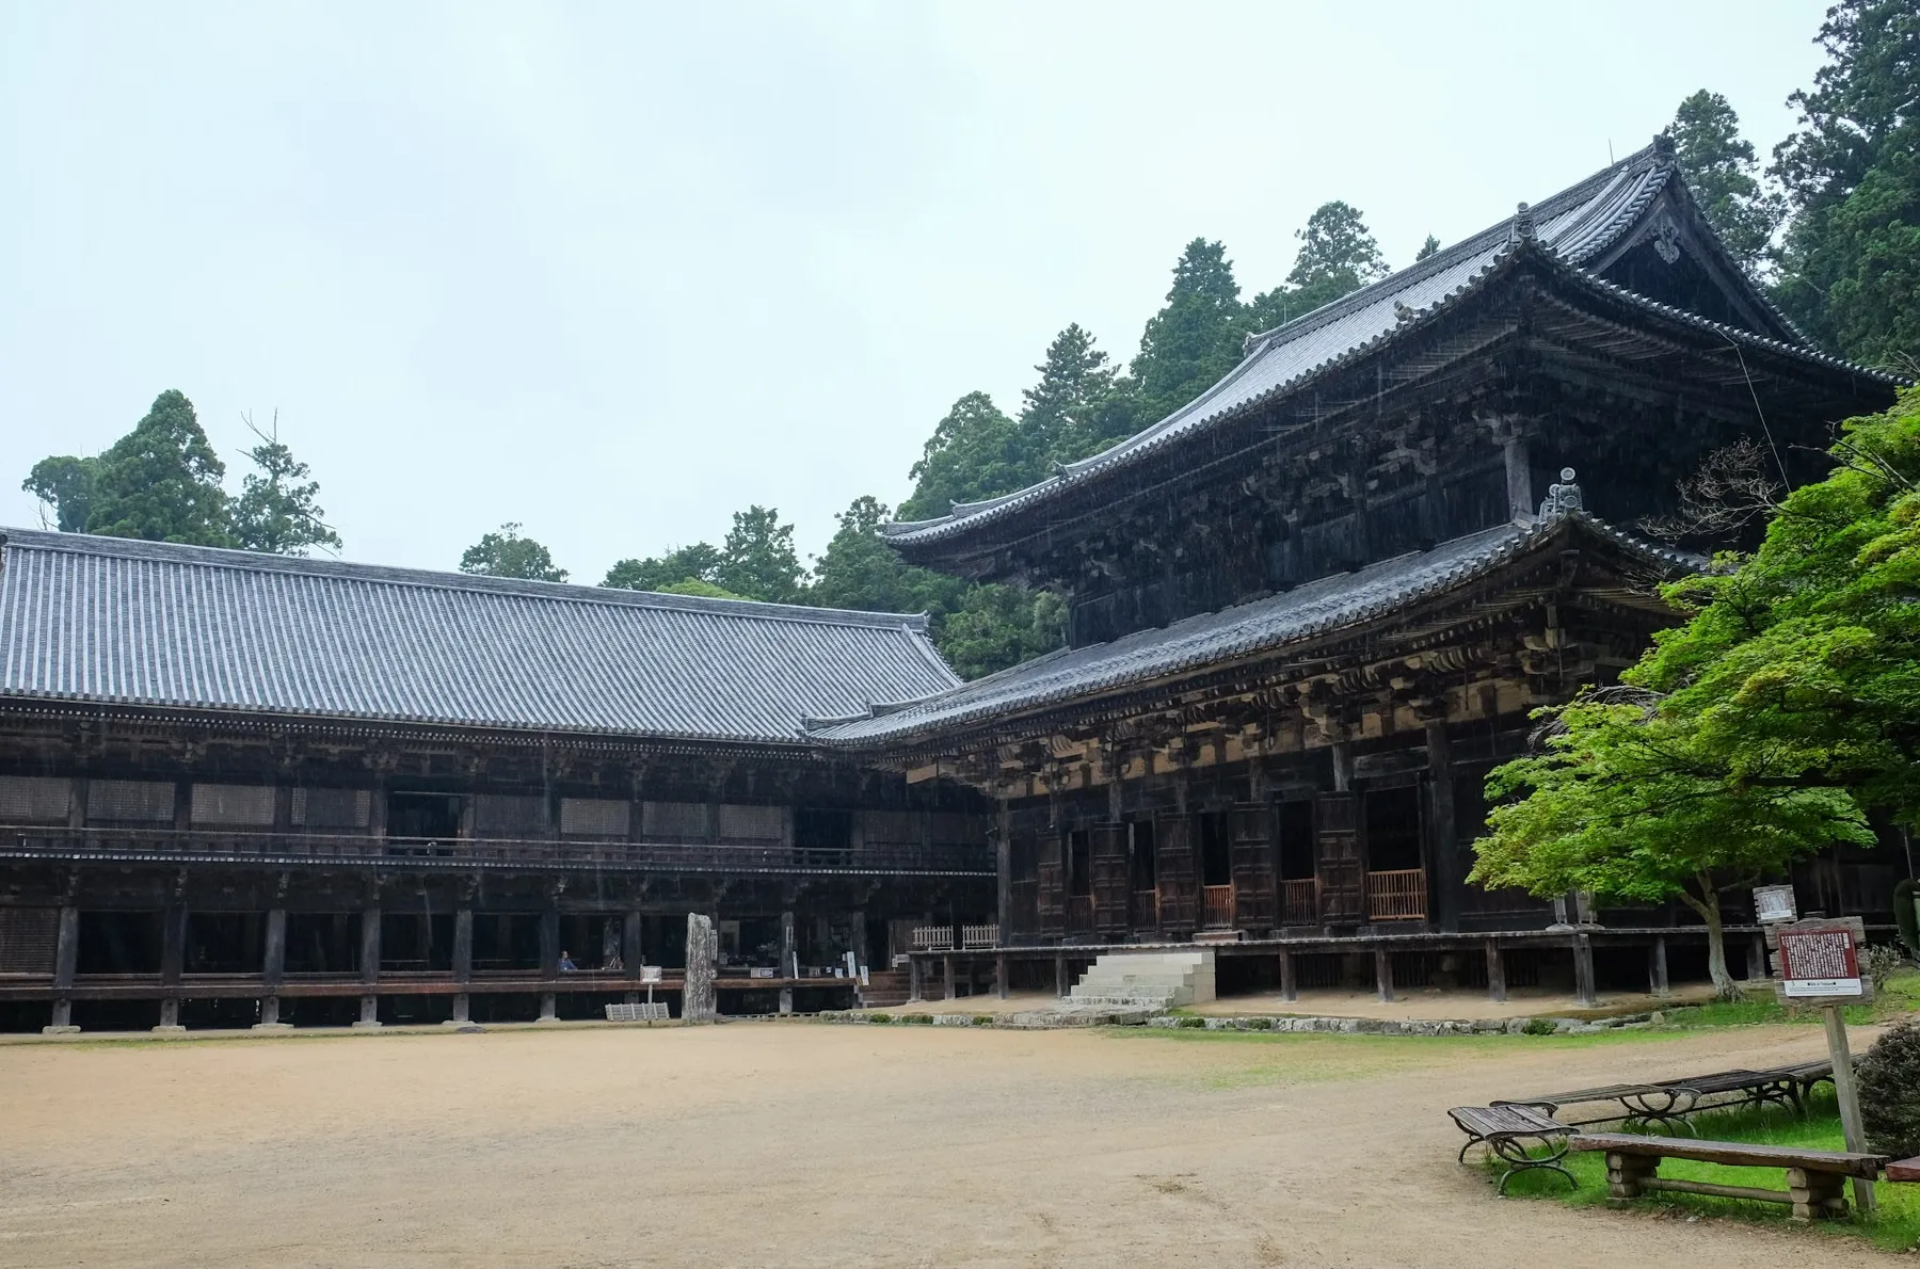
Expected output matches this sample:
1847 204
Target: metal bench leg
1515 1155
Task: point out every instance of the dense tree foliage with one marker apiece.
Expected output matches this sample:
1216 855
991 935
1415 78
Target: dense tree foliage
1850 261
1724 177
1761 730
162 482
505 553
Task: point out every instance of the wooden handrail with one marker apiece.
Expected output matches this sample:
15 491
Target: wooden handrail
1217 907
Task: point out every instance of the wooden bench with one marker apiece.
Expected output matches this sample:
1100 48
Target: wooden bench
1816 1179
646 1011
1906 1170
1505 1130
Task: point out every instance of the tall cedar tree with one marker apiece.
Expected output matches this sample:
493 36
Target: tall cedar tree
1760 731
1850 262
276 511
1196 338
1724 177
859 570
506 553
1079 406
161 481
1337 255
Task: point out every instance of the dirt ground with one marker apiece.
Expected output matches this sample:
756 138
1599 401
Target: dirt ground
802 1144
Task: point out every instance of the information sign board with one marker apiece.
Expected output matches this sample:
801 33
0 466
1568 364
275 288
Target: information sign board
1774 903
1818 961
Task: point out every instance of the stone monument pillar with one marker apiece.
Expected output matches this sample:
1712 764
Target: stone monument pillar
703 950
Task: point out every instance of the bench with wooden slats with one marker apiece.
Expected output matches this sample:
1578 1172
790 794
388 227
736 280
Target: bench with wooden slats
1906 1170
1816 1179
1506 1130
645 1011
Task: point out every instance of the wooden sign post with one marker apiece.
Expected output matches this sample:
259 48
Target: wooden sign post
1817 962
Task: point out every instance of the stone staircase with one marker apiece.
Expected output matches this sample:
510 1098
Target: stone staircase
1162 980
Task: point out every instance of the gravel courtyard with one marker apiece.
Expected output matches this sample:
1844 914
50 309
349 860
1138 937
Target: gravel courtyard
797 1145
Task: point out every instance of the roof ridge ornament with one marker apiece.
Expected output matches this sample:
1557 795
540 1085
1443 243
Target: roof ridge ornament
1523 229
1562 496
1663 148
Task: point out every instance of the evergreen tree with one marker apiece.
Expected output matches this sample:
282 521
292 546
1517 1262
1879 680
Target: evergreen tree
758 560
507 554
1076 407
1724 176
1189 344
1337 255
1428 249
160 481
1848 272
974 452
64 483
275 511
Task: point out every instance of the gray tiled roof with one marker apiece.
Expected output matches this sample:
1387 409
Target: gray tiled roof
1572 228
109 620
1328 606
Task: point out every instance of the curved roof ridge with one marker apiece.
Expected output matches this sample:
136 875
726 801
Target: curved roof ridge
433 579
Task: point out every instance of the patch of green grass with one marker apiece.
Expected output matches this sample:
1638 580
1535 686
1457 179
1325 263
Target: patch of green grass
1895 1225
1757 1010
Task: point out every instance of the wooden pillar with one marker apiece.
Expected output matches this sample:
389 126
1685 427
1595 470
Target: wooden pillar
173 952
632 946
1520 501
369 965
370 943
1383 974
462 1010
1657 966
1000 976
1289 977
1342 767
66 958
463 944
1060 976
1003 872
549 1007
273 970
550 942
1496 972
1757 958
913 978
1443 853
1583 987
946 969
789 948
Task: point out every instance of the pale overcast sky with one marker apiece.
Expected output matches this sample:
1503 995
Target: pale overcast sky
616 270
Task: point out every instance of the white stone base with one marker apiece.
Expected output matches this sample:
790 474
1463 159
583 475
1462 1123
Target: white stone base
368 1026
173 1030
273 1026
67 1030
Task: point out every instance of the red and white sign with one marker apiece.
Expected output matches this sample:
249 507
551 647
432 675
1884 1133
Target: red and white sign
1819 962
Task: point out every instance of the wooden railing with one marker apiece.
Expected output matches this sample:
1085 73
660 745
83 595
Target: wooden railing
933 938
1300 902
142 845
1145 909
1217 907
978 936
1397 896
